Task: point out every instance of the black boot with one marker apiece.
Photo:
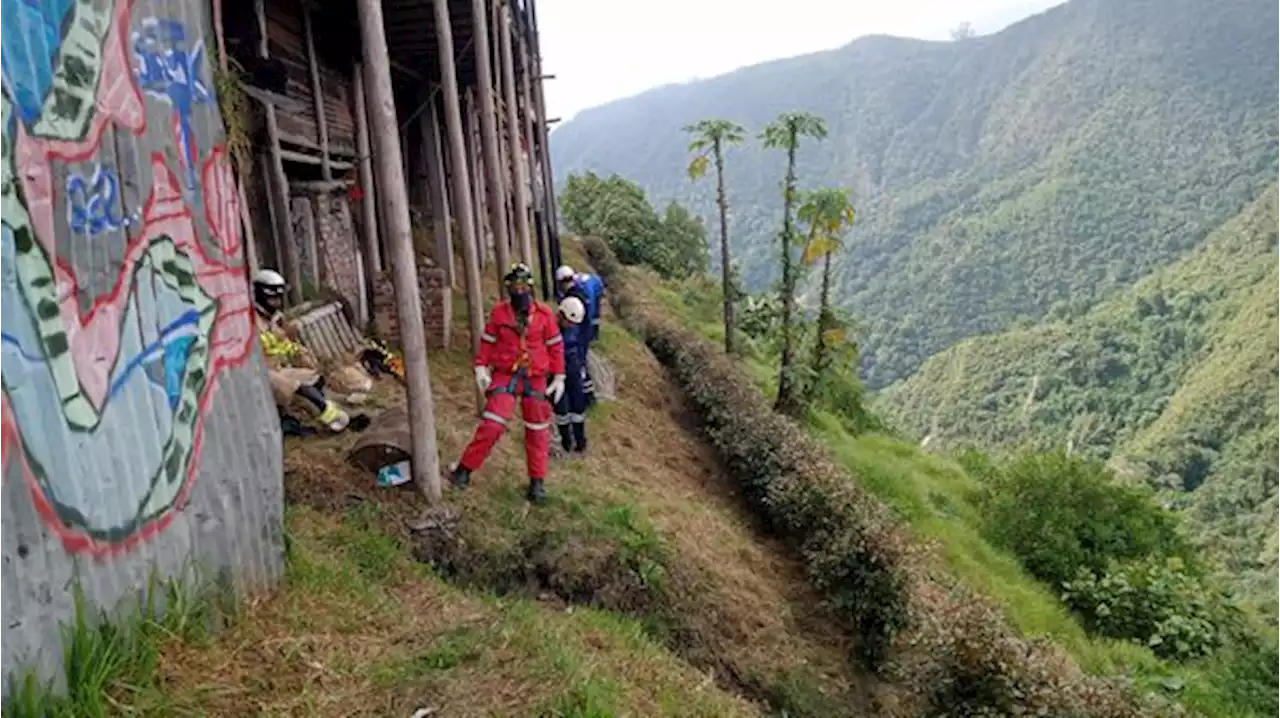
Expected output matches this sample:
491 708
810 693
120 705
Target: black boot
536 494
580 438
459 477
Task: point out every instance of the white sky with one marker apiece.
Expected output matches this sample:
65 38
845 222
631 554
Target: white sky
603 50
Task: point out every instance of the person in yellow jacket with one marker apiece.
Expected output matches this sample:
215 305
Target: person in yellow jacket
291 368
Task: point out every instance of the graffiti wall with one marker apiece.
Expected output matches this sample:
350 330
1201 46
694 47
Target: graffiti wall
138 434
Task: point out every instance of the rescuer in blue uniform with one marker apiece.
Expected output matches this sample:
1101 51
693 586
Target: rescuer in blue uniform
590 289
571 408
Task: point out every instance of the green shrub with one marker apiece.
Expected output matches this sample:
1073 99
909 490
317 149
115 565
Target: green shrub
1155 602
1060 513
1251 680
674 243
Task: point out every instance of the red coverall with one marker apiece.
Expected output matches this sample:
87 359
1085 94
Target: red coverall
522 364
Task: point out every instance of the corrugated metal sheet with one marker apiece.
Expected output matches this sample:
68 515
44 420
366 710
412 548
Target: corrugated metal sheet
139 435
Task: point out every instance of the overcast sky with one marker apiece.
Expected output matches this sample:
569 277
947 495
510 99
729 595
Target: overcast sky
602 50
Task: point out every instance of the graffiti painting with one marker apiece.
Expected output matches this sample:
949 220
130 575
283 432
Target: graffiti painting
119 310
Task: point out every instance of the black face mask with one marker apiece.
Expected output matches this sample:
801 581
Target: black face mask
520 301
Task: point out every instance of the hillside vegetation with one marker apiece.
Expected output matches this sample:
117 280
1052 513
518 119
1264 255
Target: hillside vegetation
996 178
1174 381
1134 577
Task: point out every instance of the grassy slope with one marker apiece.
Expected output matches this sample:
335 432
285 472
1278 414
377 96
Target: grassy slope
362 628
1184 395
936 497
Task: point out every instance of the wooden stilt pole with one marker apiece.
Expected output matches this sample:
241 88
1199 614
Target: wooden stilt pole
520 199
461 180
489 137
404 265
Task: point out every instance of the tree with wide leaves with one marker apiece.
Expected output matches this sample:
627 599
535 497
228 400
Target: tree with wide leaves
829 213
710 139
784 133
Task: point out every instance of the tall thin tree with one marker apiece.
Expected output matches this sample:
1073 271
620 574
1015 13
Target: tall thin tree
829 214
784 133
710 139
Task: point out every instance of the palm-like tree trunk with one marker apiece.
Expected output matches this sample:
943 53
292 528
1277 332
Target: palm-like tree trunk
725 274
820 343
786 402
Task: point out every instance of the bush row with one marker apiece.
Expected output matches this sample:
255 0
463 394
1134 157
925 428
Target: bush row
951 650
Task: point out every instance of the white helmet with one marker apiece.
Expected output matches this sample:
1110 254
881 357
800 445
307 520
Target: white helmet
564 273
268 278
573 309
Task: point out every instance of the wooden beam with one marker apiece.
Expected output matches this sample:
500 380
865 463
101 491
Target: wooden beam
461 181
322 186
548 177
519 194
476 190
368 205
317 94
531 167
404 265
437 197
489 139
277 182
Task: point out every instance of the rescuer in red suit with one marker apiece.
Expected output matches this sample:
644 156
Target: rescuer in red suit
521 357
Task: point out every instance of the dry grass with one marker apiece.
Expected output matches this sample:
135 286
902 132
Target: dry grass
361 630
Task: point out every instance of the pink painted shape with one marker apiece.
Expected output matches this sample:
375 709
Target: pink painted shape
93 338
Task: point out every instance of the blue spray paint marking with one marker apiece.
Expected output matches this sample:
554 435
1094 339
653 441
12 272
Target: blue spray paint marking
91 203
168 69
181 333
29 41
11 340
175 367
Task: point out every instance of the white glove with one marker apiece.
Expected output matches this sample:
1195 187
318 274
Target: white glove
484 377
556 388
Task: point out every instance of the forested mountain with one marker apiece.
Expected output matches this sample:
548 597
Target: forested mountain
1045 167
1174 381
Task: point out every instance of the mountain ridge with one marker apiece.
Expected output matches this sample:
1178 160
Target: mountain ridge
1107 138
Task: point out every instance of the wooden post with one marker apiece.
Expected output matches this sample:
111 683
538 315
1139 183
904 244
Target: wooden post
489 138
437 197
520 200
476 189
461 180
277 182
364 169
531 158
404 266
548 177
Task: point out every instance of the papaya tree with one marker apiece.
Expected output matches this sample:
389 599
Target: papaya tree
784 133
828 213
710 139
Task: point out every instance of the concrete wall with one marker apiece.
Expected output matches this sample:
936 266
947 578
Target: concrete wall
138 432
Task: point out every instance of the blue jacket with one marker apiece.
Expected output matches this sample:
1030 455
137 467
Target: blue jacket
593 288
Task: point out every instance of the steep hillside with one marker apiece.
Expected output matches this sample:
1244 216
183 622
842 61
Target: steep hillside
1174 380
1056 161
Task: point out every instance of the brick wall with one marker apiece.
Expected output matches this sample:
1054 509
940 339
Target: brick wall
437 306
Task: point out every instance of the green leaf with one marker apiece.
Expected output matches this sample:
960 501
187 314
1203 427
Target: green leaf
698 166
